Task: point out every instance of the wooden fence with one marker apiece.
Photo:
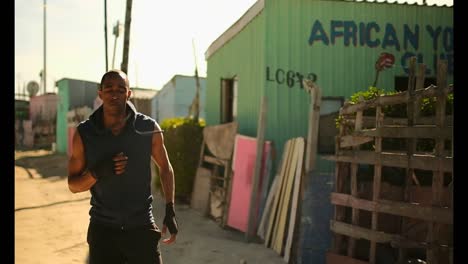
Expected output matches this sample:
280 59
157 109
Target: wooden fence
395 203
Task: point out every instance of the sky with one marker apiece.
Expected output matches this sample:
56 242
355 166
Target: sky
162 33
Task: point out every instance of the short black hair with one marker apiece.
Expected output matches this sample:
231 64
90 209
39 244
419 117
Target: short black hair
114 72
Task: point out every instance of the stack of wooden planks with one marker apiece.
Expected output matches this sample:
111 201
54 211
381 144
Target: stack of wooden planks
279 216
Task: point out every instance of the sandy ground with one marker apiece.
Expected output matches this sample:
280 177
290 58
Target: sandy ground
51 222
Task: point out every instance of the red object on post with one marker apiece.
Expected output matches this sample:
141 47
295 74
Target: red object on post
385 60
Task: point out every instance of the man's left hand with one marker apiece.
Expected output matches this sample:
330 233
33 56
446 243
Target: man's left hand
170 223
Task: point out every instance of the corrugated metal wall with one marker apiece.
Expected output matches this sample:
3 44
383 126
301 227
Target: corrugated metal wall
142 105
62 110
308 37
241 57
82 93
166 100
72 94
185 92
154 108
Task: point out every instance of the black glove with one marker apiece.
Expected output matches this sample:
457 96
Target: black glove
170 219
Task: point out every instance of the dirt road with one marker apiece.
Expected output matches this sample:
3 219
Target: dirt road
51 222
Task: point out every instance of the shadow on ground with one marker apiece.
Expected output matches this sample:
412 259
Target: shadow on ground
49 165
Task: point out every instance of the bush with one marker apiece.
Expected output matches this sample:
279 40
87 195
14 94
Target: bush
183 138
395 111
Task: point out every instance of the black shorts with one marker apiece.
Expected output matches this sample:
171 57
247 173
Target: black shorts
131 246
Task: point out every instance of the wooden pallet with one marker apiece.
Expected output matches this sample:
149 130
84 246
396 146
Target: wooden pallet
433 216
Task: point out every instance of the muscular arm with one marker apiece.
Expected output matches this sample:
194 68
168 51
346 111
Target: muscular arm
79 180
166 172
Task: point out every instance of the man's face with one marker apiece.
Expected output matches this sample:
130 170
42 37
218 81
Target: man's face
114 92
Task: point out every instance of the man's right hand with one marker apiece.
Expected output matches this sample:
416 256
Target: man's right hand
120 163
110 166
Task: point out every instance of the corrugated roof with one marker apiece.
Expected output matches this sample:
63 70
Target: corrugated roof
233 30
405 2
140 93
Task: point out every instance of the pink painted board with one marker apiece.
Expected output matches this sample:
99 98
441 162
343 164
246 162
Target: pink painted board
243 166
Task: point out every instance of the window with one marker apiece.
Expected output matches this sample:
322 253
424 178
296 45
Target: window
329 111
401 82
228 104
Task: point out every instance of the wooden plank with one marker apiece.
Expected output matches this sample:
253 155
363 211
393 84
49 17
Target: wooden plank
202 151
354 211
376 182
398 98
274 212
227 185
333 258
341 173
438 175
219 139
201 189
407 132
282 192
427 213
214 160
401 242
412 110
354 140
266 180
389 121
296 190
400 160
354 183
286 197
217 197
271 195
252 216
420 78
261 231
218 178
313 124
358 232
347 200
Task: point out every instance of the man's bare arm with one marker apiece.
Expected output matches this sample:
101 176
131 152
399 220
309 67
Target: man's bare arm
79 178
166 172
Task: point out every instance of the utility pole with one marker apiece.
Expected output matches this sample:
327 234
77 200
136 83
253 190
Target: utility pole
195 106
128 19
44 73
105 31
116 32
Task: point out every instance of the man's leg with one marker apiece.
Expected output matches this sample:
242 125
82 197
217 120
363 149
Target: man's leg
103 245
141 246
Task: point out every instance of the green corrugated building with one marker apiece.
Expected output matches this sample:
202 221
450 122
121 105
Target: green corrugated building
277 43
72 94
336 43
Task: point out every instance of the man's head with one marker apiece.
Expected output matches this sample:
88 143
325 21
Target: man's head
112 74
114 90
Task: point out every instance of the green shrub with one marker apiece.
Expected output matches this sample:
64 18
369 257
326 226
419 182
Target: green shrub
183 138
395 111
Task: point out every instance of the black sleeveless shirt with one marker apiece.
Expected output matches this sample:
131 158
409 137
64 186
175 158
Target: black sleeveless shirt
123 201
